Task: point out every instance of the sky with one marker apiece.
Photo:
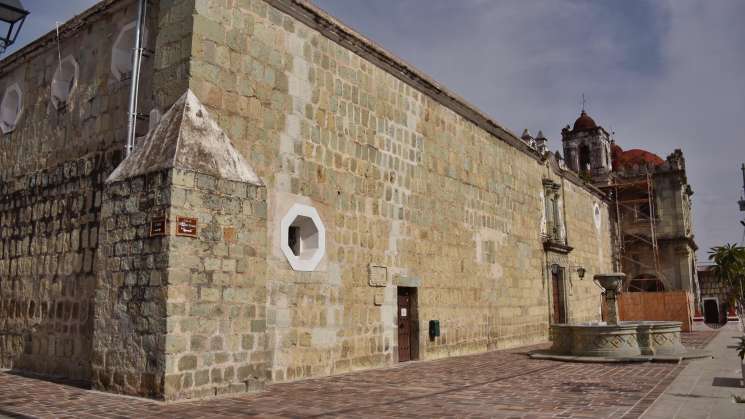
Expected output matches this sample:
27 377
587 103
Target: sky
661 74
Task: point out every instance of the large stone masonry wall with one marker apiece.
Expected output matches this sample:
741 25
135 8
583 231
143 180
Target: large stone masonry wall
50 226
403 184
216 340
593 249
53 166
130 302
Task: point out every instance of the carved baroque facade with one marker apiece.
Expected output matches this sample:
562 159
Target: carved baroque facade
650 203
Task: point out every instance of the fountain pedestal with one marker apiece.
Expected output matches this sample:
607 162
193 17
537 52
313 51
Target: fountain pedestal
611 283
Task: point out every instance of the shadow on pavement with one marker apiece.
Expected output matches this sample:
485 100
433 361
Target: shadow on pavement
726 382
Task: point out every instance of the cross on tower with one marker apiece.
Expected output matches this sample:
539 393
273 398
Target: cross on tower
583 102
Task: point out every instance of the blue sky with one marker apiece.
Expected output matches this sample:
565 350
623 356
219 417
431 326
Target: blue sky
662 74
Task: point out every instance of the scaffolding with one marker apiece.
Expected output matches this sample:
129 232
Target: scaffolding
636 197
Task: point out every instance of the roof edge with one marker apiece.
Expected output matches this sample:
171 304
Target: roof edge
330 27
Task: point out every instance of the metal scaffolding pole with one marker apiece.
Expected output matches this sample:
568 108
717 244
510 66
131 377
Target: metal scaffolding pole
625 237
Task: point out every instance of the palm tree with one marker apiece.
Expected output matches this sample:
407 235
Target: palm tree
729 267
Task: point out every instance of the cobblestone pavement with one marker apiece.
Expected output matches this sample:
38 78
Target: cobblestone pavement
501 384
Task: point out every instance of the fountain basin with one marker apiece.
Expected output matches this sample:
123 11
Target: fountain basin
640 341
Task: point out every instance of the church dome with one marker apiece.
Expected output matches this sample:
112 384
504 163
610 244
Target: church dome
638 157
584 122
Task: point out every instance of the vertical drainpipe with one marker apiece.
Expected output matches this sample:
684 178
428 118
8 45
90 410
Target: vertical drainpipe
135 80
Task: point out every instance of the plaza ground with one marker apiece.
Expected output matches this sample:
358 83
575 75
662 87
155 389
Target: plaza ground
501 384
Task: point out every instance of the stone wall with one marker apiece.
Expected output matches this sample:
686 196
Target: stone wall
591 241
402 182
53 165
130 304
216 340
414 188
50 225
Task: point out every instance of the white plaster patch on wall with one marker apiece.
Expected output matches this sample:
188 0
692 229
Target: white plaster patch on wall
543 213
413 115
324 337
389 317
493 267
393 237
560 216
598 219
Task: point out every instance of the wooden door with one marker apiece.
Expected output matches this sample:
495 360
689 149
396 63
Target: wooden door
407 321
557 297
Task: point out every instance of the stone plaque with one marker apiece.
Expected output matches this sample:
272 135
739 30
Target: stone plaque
186 226
378 276
158 227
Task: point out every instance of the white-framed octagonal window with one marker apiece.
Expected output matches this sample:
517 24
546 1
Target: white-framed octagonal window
64 81
10 108
303 237
123 50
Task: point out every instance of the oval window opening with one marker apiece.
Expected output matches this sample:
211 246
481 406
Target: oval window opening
121 53
64 82
10 108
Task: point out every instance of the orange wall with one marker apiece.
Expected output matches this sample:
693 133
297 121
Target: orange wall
670 305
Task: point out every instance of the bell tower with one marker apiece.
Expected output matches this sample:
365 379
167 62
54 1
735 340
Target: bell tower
587 149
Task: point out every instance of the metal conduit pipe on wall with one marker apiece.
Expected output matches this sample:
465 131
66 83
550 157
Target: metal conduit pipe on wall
134 87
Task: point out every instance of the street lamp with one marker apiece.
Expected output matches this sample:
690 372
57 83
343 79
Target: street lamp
12 15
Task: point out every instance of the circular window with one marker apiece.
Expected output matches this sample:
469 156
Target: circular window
121 53
303 238
64 81
10 108
597 215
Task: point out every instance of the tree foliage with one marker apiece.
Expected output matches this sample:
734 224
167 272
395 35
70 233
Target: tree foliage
729 268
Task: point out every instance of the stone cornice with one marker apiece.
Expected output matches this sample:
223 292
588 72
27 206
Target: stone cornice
556 247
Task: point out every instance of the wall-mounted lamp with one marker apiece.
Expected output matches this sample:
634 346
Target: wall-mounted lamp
581 272
12 16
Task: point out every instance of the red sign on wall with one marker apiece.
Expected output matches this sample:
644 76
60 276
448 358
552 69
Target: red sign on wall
186 226
158 227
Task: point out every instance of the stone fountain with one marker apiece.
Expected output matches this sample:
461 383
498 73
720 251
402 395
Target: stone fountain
614 340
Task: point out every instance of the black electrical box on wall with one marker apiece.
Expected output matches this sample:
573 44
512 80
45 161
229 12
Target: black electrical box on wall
434 328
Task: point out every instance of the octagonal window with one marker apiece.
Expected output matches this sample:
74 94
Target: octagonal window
123 50
64 81
303 238
10 108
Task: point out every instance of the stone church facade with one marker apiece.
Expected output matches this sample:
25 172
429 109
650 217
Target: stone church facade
299 203
650 203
